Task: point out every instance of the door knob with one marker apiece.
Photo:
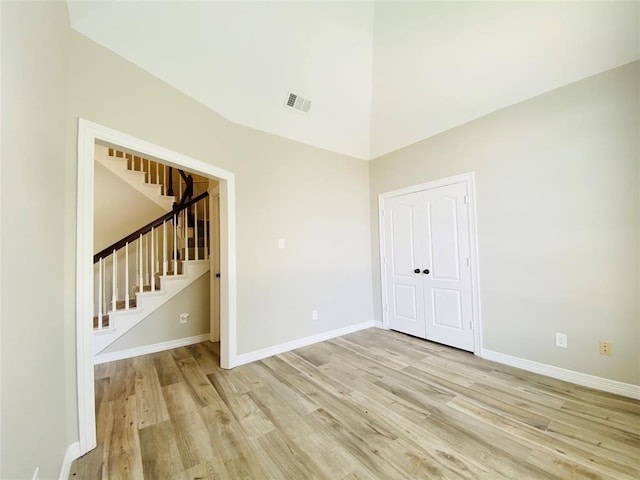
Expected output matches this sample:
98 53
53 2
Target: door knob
426 271
417 270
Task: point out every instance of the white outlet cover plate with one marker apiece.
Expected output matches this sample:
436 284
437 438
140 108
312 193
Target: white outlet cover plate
561 340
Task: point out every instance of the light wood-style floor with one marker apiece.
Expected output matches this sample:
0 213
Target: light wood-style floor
374 404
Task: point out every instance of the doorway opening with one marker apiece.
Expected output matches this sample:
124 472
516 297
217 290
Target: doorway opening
222 273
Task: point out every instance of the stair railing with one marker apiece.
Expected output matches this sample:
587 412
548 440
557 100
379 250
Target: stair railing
159 248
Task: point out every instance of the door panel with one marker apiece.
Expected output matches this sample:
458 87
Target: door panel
402 238
405 303
444 238
447 308
404 299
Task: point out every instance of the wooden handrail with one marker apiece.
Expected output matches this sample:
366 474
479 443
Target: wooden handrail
105 252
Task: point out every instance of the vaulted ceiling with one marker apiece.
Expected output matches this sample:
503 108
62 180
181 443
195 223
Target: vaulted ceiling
380 75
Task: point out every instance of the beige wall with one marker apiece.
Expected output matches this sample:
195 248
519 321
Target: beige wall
34 80
118 208
163 325
557 181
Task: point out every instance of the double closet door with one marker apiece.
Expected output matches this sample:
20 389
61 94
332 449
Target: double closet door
427 265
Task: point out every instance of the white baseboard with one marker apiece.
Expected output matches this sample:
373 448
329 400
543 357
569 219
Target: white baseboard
379 324
301 342
144 350
584 379
73 452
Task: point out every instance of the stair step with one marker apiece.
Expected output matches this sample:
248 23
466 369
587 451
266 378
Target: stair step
120 304
105 322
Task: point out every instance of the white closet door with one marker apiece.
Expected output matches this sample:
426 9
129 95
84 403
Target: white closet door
428 277
403 255
447 286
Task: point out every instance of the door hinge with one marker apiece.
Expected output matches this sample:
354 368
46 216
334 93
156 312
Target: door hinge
386 307
468 262
470 325
384 259
466 200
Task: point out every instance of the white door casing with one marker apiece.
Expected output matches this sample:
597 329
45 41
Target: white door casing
430 229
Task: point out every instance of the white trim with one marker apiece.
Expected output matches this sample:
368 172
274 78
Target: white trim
442 182
146 349
301 342
584 379
73 452
88 134
469 179
84 290
379 324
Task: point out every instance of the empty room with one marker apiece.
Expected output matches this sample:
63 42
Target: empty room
317 239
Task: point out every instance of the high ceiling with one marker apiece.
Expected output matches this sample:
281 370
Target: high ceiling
380 75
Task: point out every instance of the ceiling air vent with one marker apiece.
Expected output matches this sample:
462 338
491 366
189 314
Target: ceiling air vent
298 103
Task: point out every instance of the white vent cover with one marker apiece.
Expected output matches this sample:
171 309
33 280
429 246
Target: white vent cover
298 103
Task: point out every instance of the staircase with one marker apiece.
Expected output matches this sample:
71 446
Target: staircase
138 274
150 178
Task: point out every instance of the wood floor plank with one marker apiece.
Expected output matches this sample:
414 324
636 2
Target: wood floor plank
370 405
150 404
212 469
125 459
282 459
159 450
192 437
166 368
251 418
197 382
229 443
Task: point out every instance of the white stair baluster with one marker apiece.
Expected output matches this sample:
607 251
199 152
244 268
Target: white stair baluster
166 184
140 272
104 287
195 225
114 293
137 275
185 236
204 225
146 257
126 276
156 255
165 261
153 263
175 244
100 294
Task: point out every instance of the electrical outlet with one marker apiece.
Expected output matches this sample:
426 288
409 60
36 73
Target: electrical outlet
561 340
605 348
314 314
184 317
281 243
